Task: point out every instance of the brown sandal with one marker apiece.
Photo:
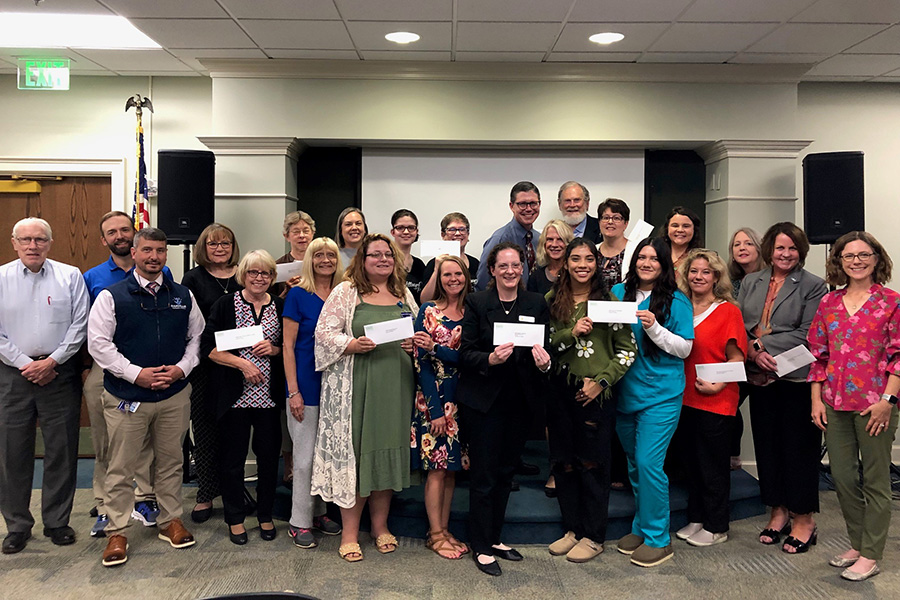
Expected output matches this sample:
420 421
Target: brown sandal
463 548
441 544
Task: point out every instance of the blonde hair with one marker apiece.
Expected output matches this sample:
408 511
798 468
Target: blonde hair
563 230
255 258
440 294
307 274
722 289
356 272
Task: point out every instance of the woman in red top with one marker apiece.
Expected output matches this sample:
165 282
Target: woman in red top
855 337
707 418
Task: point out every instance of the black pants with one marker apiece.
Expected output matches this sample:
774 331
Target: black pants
580 451
496 439
707 438
738 429
206 435
787 446
234 431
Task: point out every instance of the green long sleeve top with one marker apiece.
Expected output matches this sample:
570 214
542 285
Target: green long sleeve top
605 353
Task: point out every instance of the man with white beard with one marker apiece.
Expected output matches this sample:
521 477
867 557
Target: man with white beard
574 202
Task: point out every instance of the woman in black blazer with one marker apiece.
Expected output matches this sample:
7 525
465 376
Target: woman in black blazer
499 388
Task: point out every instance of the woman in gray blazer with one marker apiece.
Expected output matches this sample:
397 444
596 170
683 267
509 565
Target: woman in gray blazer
779 304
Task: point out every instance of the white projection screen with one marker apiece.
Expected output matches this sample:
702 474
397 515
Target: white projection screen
476 183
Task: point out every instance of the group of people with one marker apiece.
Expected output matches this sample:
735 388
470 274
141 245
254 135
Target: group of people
358 420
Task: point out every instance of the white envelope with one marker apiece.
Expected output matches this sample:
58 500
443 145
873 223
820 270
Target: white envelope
288 270
726 372
790 360
607 311
642 229
244 337
390 331
432 248
520 334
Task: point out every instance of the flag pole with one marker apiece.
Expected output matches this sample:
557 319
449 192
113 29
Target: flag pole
140 214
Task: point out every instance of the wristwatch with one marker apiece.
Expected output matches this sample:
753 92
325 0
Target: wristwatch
890 398
757 346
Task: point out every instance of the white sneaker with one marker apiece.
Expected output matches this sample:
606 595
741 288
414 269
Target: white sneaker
706 538
688 530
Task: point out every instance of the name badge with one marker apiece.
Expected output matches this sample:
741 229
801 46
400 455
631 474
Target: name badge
526 319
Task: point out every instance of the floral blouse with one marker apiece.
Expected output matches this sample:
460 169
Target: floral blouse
855 354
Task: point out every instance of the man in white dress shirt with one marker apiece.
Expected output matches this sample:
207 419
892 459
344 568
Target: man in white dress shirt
43 319
145 333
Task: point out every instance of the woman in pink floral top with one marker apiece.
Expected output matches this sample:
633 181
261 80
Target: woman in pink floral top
855 338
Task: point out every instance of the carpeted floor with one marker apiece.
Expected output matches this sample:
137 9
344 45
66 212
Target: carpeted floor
741 568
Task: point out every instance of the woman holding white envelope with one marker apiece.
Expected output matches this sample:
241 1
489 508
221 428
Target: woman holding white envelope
368 387
707 417
247 381
779 304
500 387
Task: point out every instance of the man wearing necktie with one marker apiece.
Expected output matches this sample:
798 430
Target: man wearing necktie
525 204
145 333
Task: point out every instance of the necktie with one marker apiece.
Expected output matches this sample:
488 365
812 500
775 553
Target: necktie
152 287
529 250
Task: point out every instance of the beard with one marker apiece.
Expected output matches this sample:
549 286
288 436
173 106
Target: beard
123 250
573 219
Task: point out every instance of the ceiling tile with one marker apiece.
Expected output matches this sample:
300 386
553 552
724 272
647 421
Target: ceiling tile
282 9
686 57
851 11
627 10
312 35
814 38
158 73
369 35
499 37
135 60
886 42
499 56
511 10
314 54
405 55
194 33
857 64
742 11
169 9
396 10
626 57
638 36
769 59
710 37
74 7
192 57
79 63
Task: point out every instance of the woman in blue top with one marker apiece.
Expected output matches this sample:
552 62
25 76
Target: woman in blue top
649 395
435 434
322 270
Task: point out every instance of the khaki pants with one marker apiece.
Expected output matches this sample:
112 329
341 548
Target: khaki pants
165 423
93 388
867 507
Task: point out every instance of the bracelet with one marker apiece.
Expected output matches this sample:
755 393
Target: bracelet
292 394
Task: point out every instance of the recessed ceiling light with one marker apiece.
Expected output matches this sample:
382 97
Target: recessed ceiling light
606 38
40 30
402 37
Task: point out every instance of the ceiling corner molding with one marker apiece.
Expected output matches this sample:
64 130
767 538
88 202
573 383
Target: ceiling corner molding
722 149
275 68
253 145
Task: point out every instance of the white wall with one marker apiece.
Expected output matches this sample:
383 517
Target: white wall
477 184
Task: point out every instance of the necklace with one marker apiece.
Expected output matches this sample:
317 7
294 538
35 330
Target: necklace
224 287
503 305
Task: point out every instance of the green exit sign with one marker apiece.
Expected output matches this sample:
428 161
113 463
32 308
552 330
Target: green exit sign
43 73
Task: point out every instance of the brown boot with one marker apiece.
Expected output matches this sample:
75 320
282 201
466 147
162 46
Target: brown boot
176 534
116 551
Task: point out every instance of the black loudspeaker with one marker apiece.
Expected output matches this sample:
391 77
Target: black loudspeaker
187 190
833 195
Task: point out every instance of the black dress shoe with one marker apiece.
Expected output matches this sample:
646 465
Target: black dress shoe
237 538
268 534
525 468
492 568
514 486
94 513
202 515
61 536
15 542
511 554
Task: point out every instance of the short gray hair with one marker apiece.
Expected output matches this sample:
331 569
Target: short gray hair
567 185
33 221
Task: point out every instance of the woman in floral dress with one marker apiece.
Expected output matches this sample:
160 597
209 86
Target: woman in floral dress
434 435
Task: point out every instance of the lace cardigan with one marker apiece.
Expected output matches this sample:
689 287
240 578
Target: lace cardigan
334 464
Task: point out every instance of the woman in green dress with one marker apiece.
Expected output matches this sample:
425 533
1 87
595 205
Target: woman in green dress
362 440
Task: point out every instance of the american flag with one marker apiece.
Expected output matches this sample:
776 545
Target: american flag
140 214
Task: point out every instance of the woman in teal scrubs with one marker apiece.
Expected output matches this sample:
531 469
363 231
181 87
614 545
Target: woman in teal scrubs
649 395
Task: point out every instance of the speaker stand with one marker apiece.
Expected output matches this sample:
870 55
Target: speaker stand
187 257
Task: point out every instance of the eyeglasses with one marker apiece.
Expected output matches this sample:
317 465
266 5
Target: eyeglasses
26 241
508 267
612 219
862 256
452 230
253 274
406 228
223 245
380 255
532 205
